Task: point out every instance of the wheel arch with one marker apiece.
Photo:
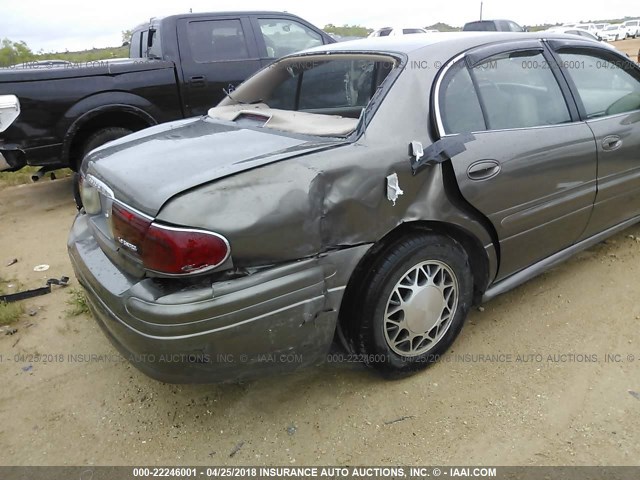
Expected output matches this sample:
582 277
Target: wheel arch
92 115
479 263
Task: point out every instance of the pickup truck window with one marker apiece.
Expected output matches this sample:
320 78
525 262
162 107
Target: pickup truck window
154 50
217 40
144 41
283 37
135 50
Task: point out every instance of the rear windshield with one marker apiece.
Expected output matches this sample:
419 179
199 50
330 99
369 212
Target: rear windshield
480 27
330 94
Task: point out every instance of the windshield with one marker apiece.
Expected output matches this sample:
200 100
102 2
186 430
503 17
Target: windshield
309 94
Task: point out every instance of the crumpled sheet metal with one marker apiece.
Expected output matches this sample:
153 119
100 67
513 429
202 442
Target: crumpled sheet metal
325 201
335 198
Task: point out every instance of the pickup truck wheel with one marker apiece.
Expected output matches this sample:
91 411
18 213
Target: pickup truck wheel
94 141
418 297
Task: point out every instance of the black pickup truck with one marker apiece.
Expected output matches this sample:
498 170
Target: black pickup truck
179 66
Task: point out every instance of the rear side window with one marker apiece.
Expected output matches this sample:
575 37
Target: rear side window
217 40
459 105
518 90
283 37
607 86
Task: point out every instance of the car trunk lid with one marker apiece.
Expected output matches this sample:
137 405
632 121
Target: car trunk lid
146 169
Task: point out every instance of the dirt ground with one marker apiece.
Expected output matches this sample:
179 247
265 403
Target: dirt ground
629 46
562 403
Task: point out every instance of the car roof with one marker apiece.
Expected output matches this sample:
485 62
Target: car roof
195 15
490 21
459 41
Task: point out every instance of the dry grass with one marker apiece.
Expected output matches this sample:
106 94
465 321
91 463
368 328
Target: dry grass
23 176
77 303
10 312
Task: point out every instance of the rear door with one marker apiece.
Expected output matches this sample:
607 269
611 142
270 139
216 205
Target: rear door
216 55
531 169
607 87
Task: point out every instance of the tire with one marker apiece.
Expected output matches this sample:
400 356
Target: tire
431 273
94 141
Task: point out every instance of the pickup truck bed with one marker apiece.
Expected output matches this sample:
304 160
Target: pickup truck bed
180 66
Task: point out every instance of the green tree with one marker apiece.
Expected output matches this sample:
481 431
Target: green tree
348 30
14 52
126 36
443 27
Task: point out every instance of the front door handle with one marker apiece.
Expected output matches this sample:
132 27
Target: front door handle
483 170
198 81
612 142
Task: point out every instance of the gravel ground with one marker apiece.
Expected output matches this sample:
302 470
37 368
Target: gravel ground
548 396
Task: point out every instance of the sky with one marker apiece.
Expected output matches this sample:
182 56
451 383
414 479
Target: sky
80 24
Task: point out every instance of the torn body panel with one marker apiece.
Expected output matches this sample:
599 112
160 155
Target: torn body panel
334 198
278 319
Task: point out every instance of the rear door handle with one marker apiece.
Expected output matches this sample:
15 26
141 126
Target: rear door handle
483 170
612 142
198 81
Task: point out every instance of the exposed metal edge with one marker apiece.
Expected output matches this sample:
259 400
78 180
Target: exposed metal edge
545 264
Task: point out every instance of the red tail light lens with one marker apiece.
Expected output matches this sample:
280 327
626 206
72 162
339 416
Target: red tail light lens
181 251
129 228
164 249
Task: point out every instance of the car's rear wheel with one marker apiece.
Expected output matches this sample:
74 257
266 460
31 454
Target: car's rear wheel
419 295
96 140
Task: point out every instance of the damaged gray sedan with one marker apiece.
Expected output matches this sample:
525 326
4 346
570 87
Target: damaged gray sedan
368 192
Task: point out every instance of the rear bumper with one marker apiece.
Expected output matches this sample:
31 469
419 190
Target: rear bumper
276 320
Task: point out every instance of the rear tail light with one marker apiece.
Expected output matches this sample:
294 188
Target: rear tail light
165 249
89 197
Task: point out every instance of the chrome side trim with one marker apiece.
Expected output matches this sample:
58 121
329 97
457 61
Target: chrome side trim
537 268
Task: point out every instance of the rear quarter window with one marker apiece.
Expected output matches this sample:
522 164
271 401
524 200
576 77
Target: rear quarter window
460 110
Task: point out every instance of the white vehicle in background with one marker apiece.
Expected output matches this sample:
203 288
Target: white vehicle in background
599 28
575 31
580 33
589 27
613 33
9 111
396 31
632 27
